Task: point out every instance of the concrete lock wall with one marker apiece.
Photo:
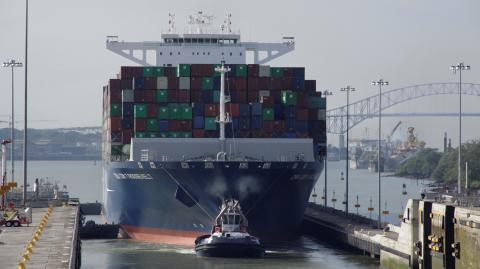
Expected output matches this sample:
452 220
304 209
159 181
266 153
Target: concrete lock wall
467 238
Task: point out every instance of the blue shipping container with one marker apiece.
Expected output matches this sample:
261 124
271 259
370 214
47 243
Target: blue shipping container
245 110
244 123
198 109
290 112
198 122
277 112
256 122
256 109
301 126
163 125
127 110
207 96
216 83
234 124
299 72
127 122
139 83
290 125
291 135
116 136
298 84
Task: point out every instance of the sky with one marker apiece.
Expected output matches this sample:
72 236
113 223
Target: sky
344 42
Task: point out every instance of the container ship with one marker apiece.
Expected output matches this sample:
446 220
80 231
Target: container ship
198 126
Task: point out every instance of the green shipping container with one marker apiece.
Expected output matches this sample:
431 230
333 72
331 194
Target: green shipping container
216 96
185 134
158 71
162 135
152 125
317 102
289 98
140 134
174 134
183 70
276 72
162 96
241 70
151 135
207 83
268 114
115 110
148 72
175 112
140 111
117 150
210 124
164 113
186 112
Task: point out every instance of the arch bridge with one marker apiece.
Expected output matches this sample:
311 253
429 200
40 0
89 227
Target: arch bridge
368 108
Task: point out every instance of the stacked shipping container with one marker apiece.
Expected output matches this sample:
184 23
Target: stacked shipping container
182 101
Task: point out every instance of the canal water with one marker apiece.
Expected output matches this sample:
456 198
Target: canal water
83 179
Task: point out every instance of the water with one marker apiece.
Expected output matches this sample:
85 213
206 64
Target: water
83 179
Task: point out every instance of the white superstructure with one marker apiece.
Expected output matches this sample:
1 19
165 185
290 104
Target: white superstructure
199 45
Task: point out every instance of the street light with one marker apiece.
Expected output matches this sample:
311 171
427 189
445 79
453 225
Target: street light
347 89
24 196
459 67
12 64
379 83
326 93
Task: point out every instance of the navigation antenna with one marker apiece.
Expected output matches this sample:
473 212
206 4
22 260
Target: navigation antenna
222 118
227 24
171 23
200 21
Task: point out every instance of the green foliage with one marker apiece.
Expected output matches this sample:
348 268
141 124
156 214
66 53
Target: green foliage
420 166
447 169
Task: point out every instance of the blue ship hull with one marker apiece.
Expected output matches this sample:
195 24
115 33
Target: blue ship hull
174 202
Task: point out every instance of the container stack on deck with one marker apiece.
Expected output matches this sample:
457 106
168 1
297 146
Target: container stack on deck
183 102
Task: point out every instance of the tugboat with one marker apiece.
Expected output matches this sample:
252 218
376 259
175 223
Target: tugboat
229 237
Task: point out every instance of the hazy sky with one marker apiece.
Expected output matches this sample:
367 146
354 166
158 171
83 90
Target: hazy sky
407 42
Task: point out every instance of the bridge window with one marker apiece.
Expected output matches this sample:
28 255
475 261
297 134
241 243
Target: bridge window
179 53
203 53
231 54
193 53
223 53
171 53
241 54
175 40
214 40
188 40
194 40
161 53
208 53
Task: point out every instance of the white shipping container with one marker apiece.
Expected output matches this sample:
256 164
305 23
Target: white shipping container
127 96
184 83
162 83
264 71
322 115
263 93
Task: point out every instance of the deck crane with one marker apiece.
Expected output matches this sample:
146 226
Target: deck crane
393 131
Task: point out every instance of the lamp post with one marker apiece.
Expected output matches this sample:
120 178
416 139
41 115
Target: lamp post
12 64
379 83
459 67
326 93
347 89
24 197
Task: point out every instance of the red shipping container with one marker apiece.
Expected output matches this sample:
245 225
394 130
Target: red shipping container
139 96
174 126
275 83
137 71
288 72
172 96
252 84
266 134
150 96
184 96
240 96
127 136
302 100
198 133
196 83
277 96
279 126
114 84
240 83
185 125
252 96
244 134
150 83
115 124
114 96
302 114
126 84
152 110
252 70
173 83
140 125
233 109
126 72
196 70
196 96
211 110
208 70
264 83
302 135
170 71
267 126
267 101
310 85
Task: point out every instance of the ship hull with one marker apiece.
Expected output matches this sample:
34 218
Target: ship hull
174 202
